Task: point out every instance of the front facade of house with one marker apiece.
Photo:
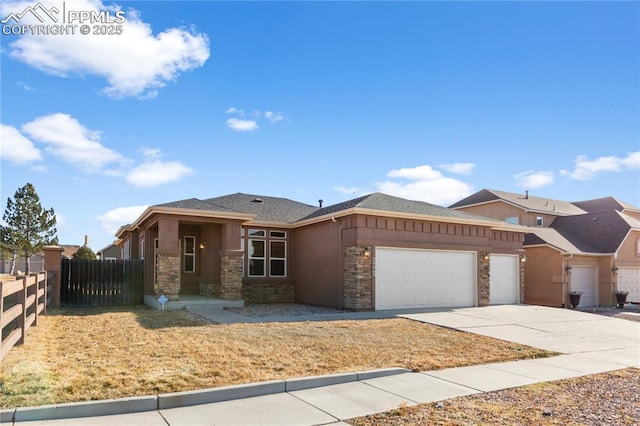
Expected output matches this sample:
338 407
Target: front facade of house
590 246
373 252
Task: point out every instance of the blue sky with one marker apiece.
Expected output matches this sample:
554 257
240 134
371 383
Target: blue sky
319 100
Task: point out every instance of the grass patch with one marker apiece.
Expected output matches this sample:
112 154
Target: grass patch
91 354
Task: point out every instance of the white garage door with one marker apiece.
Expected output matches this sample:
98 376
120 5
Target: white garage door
584 279
629 280
410 278
505 279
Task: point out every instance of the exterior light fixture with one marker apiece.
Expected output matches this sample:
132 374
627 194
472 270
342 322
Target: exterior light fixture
523 258
203 245
614 269
485 255
366 252
568 269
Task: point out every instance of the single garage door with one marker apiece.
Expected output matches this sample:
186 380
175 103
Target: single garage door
585 279
411 278
505 279
629 280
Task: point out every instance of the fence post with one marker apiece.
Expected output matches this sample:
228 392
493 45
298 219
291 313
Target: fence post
22 300
53 263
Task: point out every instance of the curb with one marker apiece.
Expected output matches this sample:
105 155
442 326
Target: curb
183 399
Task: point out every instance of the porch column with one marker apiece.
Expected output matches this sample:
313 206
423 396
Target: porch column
358 278
168 262
231 263
53 263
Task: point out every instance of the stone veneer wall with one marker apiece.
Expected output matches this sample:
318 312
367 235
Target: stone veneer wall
358 278
168 275
231 276
269 292
210 289
484 282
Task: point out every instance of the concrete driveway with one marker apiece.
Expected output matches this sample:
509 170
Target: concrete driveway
553 329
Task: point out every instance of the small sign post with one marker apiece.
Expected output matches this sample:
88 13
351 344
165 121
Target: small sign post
162 300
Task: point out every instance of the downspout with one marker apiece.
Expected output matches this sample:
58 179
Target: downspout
340 264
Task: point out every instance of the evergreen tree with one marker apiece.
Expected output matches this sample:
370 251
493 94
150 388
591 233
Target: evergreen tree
84 252
27 226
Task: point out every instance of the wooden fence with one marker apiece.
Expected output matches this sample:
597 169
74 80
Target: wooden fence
21 303
101 282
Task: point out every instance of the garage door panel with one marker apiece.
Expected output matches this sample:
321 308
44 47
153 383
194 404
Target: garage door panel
585 279
629 280
411 278
504 287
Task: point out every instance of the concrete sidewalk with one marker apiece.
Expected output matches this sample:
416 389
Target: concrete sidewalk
593 345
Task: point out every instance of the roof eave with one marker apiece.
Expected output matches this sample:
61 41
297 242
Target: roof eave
414 216
150 211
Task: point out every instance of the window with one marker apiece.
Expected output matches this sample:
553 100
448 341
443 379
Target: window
256 233
141 248
513 220
189 254
266 252
126 250
277 258
257 258
155 261
539 221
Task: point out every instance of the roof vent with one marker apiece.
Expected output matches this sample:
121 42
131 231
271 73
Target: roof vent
526 194
320 203
256 200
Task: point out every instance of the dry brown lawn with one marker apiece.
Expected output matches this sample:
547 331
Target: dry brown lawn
98 353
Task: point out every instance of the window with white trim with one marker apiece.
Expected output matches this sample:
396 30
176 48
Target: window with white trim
141 248
126 249
189 254
539 221
266 253
514 220
257 258
277 258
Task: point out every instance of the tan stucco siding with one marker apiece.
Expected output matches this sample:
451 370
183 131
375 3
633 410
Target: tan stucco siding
316 264
501 211
629 252
543 277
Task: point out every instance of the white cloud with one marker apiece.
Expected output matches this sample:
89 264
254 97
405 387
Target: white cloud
234 110
425 184
586 169
273 117
16 148
114 219
134 63
531 179
242 125
69 140
459 168
154 172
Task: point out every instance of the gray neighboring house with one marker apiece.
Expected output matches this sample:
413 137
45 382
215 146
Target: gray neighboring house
110 252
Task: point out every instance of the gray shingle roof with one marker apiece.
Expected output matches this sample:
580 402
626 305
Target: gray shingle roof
606 203
196 204
384 202
528 202
267 209
601 232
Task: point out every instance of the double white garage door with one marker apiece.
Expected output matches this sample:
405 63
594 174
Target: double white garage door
412 278
629 280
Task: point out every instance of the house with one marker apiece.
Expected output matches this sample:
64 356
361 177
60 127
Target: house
373 252
36 261
590 246
110 252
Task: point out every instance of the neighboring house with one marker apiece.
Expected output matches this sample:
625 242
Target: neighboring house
589 246
110 252
36 261
373 252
